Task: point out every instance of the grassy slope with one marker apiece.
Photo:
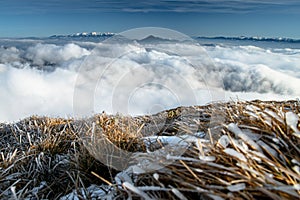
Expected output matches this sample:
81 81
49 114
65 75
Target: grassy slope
46 158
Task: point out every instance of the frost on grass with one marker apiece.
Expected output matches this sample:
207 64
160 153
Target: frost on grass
253 153
292 121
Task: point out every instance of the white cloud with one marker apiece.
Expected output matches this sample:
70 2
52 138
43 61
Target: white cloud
42 54
137 79
253 69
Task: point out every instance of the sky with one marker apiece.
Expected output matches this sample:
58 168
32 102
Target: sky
41 18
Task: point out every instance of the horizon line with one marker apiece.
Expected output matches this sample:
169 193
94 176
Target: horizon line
108 33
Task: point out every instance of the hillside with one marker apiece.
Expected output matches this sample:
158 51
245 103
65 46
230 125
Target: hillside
233 150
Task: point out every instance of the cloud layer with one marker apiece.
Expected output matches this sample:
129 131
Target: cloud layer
40 78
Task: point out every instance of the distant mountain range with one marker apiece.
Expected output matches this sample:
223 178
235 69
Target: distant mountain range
155 38
149 38
279 39
85 34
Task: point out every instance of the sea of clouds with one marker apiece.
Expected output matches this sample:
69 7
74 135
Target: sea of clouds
79 78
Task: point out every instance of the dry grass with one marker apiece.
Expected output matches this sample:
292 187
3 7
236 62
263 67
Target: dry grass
269 172
249 152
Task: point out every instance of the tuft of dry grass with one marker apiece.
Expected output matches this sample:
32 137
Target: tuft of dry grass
44 158
256 156
251 150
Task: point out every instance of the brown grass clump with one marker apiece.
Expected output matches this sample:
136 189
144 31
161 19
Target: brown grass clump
256 157
43 158
112 139
251 150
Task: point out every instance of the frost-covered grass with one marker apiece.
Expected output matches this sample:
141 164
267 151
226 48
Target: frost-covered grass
234 150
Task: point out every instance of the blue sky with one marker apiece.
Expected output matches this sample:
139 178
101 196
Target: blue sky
269 18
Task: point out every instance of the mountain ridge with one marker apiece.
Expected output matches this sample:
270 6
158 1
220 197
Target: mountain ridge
85 34
253 38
